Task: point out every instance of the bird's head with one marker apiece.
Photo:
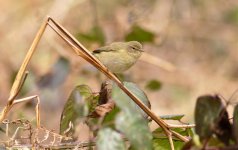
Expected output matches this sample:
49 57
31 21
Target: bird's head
134 48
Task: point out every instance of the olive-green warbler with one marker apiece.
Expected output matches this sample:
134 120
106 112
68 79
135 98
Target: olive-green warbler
119 56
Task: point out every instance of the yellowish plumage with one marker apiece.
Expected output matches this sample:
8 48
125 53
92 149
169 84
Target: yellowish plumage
119 56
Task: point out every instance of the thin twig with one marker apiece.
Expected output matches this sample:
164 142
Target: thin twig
171 141
59 146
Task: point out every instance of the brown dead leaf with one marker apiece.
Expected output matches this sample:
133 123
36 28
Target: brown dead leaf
103 109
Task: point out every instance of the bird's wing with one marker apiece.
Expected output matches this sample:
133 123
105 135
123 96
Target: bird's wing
112 47
103 49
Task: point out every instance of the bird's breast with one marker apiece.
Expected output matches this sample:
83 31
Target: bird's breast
116 62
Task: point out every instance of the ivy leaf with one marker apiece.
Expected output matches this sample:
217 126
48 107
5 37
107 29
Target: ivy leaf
77 107
139 34
125 103
109 139
136 129
159 132
130 121
211 117
109 119
207 112
161 142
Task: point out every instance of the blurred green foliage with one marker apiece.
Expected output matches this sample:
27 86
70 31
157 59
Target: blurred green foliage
96 34
154 85
76 109
138 33
231 15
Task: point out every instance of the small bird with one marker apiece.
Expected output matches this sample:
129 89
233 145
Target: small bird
119 56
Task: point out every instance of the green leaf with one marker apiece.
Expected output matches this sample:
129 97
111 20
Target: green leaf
235 123
130 120
159 132
161 142
172 117
154 85
92 103
109 119
190 132
139 34
212 118
108 139
125 103
136 129
94 35
76 107
207 113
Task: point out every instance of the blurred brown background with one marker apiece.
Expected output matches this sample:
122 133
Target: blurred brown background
198 37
